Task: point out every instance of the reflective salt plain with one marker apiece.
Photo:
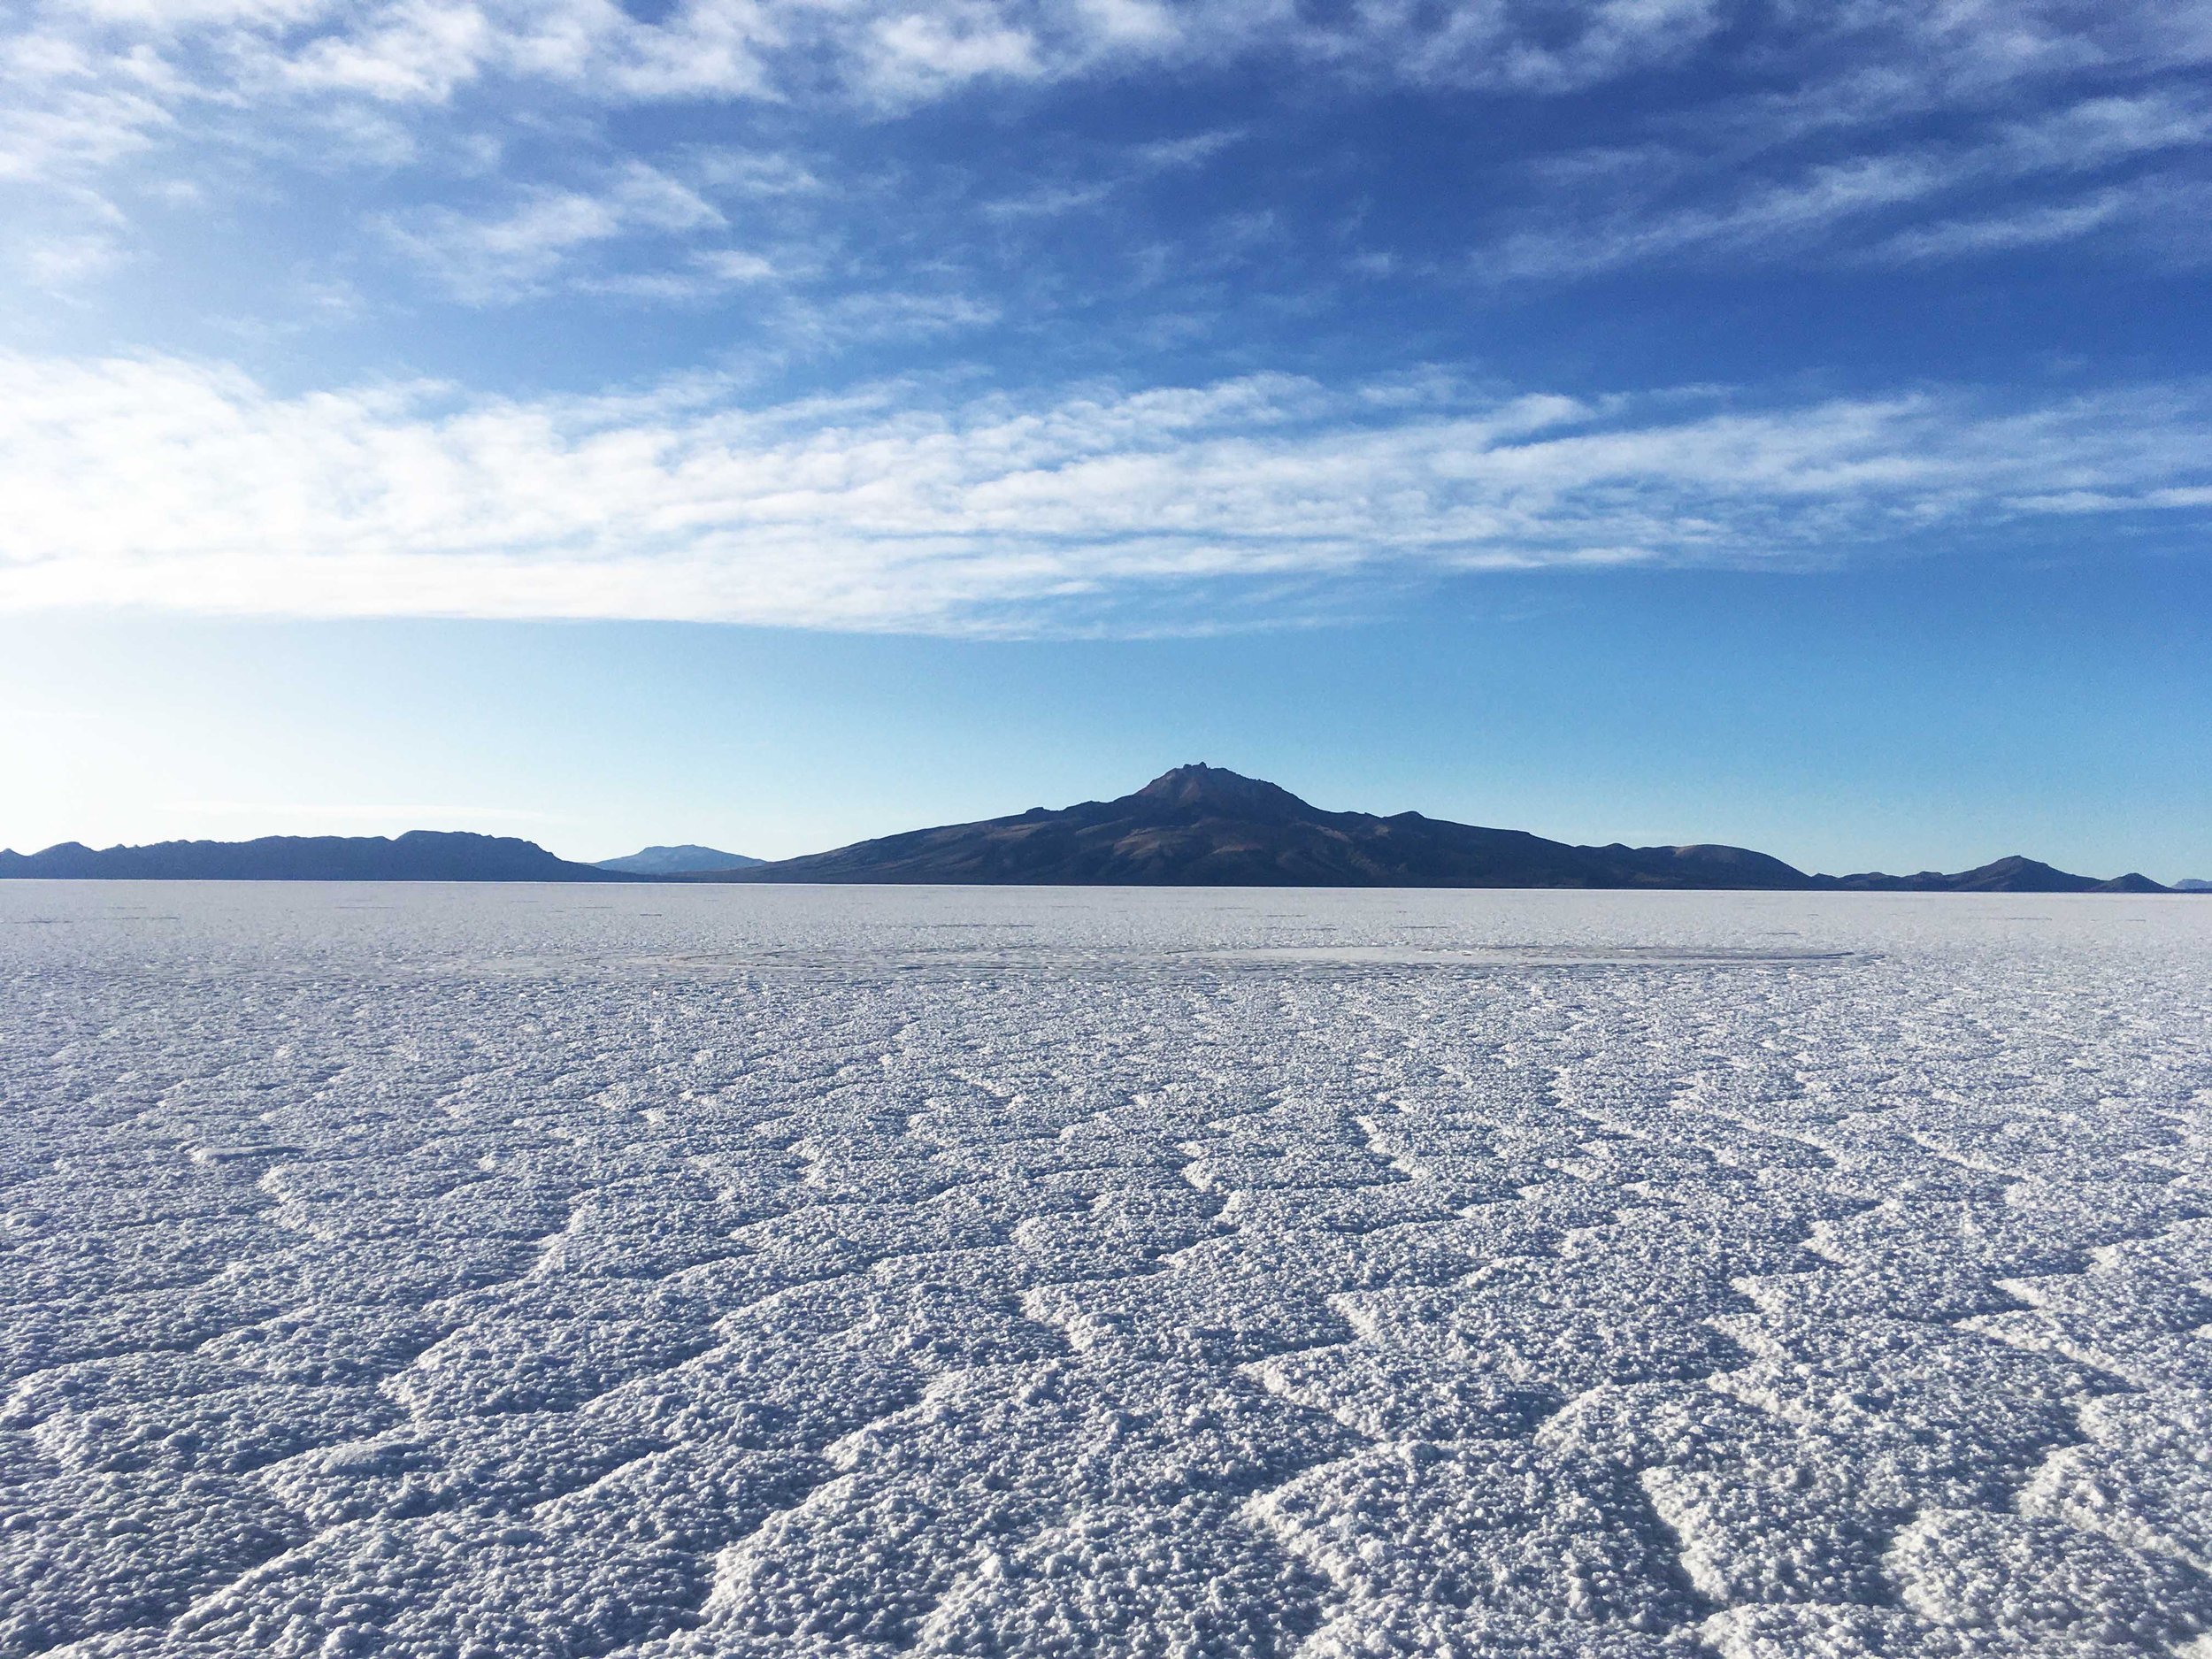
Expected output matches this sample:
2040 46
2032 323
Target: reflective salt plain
562 1271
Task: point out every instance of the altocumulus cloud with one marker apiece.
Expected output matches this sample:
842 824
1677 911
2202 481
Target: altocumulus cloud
91 79
507 149
890 508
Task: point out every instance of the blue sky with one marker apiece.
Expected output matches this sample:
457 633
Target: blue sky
773 423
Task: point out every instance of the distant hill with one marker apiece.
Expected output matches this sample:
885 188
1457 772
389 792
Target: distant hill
2015 874
1202 825
418 855
2193 884
676 861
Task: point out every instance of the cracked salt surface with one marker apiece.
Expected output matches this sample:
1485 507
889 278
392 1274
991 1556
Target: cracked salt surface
520 1271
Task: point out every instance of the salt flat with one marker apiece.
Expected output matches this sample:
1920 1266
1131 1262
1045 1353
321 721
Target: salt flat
780 1272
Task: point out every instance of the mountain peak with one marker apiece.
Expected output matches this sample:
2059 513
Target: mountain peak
689 858
1216 790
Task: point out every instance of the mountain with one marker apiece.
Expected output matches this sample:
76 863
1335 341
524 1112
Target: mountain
675 861
2134 881
2015 874
2193 884
418 855
1197 826
1202 825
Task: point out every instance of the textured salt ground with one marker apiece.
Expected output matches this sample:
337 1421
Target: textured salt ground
517 1272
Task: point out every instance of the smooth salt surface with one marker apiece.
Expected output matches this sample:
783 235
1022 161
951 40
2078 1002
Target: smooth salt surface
527 1271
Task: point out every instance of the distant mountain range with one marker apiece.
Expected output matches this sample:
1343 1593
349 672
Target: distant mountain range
1202 825
2014 874
418 855
676 861
1195 826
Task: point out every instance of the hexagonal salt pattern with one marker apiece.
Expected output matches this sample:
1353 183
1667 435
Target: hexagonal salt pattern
523 1273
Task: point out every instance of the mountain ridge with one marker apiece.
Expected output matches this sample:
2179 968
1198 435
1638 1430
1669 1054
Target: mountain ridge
1194 825
416 856
683 859
1198 824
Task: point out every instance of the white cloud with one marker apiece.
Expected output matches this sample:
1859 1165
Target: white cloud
1840 153
2161 217
61 263
413 51
182 486
2029 228
708 273
1620 207
510 252
911 54
68 108
1901 53
1766 217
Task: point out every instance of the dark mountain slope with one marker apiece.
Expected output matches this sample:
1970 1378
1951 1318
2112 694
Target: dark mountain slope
1199 826
418 855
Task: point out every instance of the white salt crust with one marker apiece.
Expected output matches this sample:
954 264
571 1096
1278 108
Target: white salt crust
545 1272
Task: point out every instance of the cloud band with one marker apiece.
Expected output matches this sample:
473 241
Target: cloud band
891 508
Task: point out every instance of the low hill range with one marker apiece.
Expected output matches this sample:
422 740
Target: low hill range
1197 826
418 855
